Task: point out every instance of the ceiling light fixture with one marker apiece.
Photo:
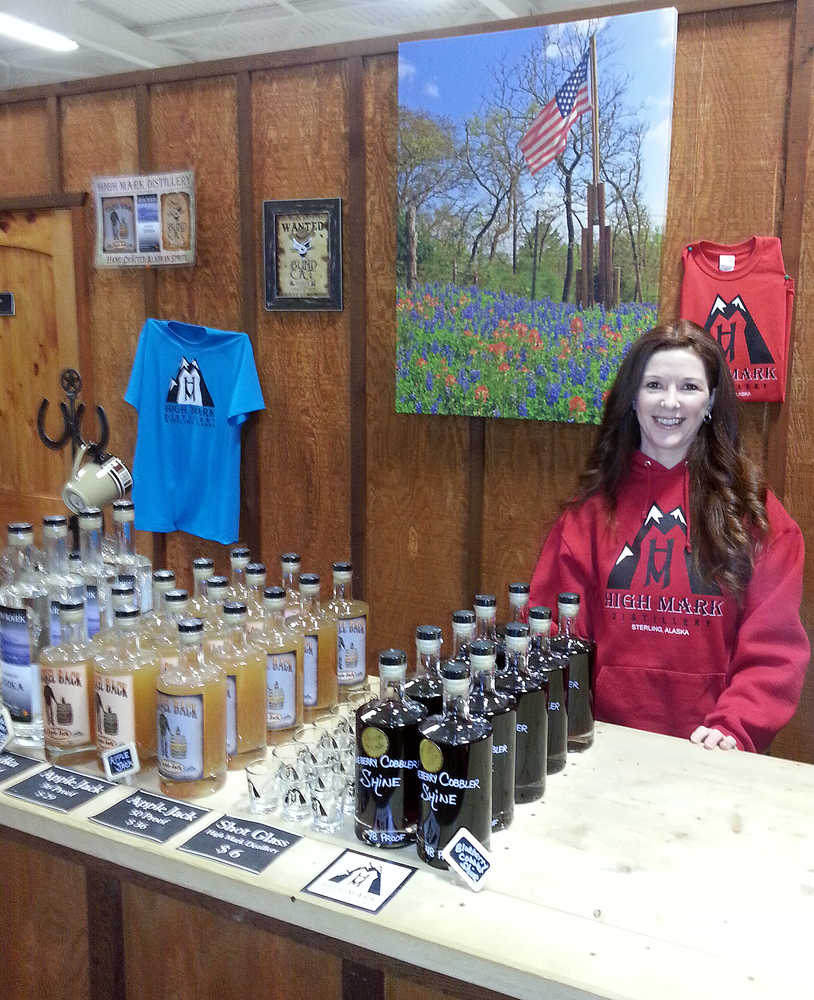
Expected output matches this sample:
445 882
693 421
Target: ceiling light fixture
33 34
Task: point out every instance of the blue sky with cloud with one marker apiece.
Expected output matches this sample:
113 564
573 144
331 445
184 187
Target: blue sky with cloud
450 76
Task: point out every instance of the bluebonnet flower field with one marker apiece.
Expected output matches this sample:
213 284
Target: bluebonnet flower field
471 352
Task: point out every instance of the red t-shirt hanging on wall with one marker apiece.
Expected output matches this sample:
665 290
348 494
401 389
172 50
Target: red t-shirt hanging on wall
741 295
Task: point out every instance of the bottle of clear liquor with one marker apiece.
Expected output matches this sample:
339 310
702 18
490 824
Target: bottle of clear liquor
122 595
125 676
318 627
202 569
426 687
239 559
455 770
98 576
518 612
387 759
58 580
485 616
283 648
553 668
352 622
245 671
463 633
532 717
24 632
127 561
191 719
255 585
66 676
581 653
290 563
500 708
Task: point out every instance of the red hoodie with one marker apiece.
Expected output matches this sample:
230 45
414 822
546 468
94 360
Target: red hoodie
671 655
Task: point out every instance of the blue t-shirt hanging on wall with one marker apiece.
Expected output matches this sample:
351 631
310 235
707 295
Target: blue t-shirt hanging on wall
193 387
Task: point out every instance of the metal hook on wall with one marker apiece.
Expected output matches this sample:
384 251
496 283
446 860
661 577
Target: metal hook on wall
71 382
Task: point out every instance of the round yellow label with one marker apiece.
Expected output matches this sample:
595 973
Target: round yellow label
374 741
431 756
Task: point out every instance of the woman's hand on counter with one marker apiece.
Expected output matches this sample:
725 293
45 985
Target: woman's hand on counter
713 739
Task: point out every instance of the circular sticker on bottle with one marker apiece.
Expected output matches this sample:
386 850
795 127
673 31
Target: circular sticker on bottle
374 741
431 756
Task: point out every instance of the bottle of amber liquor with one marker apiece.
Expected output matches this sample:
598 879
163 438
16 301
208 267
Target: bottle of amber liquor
283 649
426 687
581 653
318 626
532 718
387 759
455 770
499 707
66 676
553 668
352 621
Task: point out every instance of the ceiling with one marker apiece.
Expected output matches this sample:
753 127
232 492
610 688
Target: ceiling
119 36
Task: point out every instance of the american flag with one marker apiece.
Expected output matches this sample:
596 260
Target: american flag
546 138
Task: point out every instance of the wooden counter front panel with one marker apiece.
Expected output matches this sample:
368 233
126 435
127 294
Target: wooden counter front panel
179 950
45 927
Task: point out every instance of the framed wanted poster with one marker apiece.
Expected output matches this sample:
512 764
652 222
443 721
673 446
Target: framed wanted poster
302 254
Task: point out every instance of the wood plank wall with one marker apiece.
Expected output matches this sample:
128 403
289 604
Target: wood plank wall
431 509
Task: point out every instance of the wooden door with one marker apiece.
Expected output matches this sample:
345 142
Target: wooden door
36 344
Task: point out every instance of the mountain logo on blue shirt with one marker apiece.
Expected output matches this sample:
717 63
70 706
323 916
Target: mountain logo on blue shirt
188 388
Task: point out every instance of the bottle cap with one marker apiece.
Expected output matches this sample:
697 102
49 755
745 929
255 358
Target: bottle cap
216 583
485 601
163 576
124 511
428 639
274 594
190 627
176 596
290 558
518 594
519 588
517 637
392 657
309 584
464 617
482 655
568 605
202 565
256 569
540 620
240 556
19 528
568 598
90 519
55 526
122 589
234 609
342 567
127 612
128 579
71 611
455 670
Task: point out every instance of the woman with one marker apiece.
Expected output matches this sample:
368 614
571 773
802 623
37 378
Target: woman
690 571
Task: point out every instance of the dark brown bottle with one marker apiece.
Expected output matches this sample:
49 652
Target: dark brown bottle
455 770
532 718
518 612
499 707
426 686
553 668
387 759
581 655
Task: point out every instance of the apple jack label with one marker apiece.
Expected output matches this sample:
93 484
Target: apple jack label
66 716
350 660
281 690
309 695
115 711
21 686
180 721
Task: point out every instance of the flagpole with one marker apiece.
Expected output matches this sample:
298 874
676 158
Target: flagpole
594 116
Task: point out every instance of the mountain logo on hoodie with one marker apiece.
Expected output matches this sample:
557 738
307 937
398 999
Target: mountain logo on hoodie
188 388
653 549
729 321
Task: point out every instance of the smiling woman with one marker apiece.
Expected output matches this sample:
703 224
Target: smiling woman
690 570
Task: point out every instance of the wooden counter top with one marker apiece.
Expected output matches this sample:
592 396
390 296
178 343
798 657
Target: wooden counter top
652 868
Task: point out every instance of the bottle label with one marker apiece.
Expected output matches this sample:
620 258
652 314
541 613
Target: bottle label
180 720
231 714
54 628
92 609
309 687
114 703
66 715
281 690
350 658
21 687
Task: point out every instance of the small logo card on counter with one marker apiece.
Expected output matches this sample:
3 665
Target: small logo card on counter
6 728
241 843
120 762
58 788
360 881
153 817
12 764
468 858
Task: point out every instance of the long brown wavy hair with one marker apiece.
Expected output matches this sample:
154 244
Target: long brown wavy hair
727 491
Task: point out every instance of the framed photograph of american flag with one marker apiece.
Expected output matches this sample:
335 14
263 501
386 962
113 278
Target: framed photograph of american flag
302 254
532 192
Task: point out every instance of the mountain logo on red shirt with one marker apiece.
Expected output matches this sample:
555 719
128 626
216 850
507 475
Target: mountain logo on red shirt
732 325
648 559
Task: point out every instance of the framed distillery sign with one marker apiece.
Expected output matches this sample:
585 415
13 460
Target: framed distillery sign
145 220
302 254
